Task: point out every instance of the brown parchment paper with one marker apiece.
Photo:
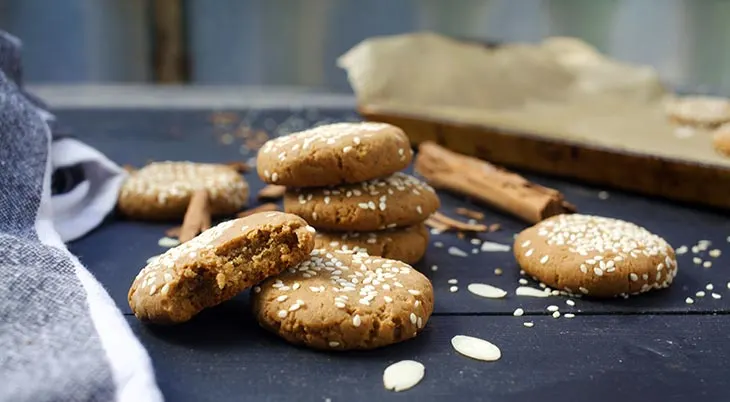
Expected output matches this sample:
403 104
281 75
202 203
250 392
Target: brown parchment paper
560 88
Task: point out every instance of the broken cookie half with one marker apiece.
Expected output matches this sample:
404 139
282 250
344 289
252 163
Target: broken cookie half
218 264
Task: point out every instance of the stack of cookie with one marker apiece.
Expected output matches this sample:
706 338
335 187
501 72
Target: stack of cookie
345 180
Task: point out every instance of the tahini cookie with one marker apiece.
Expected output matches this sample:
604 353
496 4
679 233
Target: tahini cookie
702 111
407 244
218 264
398 200
595 256
334 154
340 300
162 190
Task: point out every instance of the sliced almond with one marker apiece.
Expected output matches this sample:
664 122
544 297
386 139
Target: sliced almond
488 291
530 292
489 246
476 348
403 375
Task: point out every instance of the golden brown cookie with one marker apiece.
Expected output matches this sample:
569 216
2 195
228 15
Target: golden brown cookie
407 244
219 264
342 300
721 140
162 190
396 201
699 111
595 256
334 154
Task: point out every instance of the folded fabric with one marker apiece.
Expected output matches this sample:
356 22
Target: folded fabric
61 336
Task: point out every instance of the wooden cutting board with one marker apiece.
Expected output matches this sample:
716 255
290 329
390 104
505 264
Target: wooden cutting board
641 172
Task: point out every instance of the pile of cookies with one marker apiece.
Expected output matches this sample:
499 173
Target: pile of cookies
325 299
344 179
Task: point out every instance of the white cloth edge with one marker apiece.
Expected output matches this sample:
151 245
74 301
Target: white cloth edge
104 178
130 365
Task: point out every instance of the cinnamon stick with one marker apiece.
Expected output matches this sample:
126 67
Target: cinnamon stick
197 217
268 207
271 192
470 213
507 191
443 221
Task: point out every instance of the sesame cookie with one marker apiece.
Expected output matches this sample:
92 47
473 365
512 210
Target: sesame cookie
162 190
341 299
407 244
396 201
703 111
595 256
721 140
218 264
334 154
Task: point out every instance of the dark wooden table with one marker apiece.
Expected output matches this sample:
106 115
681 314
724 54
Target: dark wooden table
649 348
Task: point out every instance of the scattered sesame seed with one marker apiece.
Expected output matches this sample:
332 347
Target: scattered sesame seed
528 324
274 177
295 307
438 244
633 277
603 195
689 300
257 289
697 260
168 242
414 292
388 299
707 264
518 312
434 268
552 308
700 294
715 253
523 281
498 271
455 251
356 320
413 318
570 302
728 285
569 315
716 296
334 344
340 304
681 250
454 289
529 252
453 281
709 286
556 314
544 259
282 298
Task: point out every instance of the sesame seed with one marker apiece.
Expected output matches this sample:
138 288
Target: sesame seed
295 307
728 285
455 251
363 205
633 277
413 318
700 294
716 296
257 289
414 291
498 271
282 313
454 289
529 252
552 308
528 291
681 250
715 253
356 320
697 260
334 344
435 268
523 281
453 281
340 304
570 302
419 209
153 289
603 195
518 312
296 286
347 149
388 299
274 177
544 259
528 324
709 286
598 271
438 244
556 314
282 298
583 290
526 243
707 264
689 300
569 315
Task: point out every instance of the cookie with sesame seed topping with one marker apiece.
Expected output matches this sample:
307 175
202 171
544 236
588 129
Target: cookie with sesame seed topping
162 190
702 111
407 244
342 300
398 200
218 264
595 256
334 154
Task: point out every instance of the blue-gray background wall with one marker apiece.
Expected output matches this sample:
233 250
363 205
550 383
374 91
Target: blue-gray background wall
295 42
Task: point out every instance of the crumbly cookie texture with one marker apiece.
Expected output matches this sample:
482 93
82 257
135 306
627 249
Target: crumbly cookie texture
407 244
334 154
162 190
595 256
702 111
398 200
218 264
341 299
